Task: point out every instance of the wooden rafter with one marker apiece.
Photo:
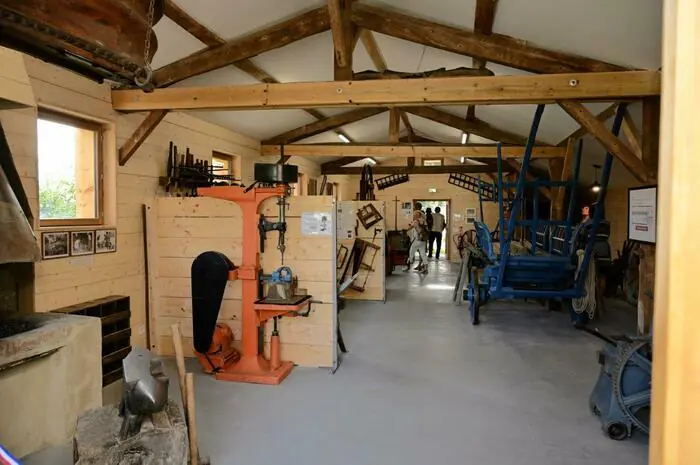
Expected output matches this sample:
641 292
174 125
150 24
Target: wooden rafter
496 48
323 125
483 24
475 126
651 113
250 45
408 150
394 125
340 162
629 129
211 39
611 143
341 29
139 136
490 90
415 169
516 167
602 117
375 54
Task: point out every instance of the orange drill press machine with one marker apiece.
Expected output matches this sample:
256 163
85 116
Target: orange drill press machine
265 296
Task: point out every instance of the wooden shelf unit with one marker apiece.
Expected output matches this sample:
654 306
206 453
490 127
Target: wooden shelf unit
115 313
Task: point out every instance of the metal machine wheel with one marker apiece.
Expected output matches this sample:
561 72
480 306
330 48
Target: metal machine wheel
636 405
475 295
617 431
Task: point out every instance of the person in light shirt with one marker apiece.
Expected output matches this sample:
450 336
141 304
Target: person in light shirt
438 225
420 233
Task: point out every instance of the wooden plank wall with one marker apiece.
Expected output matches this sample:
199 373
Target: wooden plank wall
375 288
187 227
68 281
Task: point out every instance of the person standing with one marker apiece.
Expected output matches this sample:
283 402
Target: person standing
436 229
429 222
420 233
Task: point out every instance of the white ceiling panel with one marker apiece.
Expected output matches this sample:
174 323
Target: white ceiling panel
233 19
173 43
310 59
228 76
453 12
260 124
625 32
400 55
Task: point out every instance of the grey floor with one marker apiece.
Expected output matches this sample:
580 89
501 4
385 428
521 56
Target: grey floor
420 386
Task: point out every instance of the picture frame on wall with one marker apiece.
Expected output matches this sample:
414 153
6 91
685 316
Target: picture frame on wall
55 245
105 241
82 243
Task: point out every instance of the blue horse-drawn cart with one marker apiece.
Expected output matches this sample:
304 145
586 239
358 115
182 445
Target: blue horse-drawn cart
557 266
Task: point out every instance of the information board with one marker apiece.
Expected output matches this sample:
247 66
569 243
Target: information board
641 214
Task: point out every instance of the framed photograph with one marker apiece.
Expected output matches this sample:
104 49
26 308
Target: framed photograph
82 243
105 240
641 214
54 245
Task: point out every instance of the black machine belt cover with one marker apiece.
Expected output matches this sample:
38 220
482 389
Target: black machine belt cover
209 277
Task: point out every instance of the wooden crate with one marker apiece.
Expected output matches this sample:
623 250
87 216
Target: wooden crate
115 313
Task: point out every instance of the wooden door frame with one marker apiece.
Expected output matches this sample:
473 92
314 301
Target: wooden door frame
447 213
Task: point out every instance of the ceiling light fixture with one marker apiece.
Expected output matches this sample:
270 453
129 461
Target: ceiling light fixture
596 185
343 138
465 138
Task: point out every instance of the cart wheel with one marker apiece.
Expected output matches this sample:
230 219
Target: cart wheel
475 301
617 431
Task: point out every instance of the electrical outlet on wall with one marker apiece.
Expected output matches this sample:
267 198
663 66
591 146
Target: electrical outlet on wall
141 331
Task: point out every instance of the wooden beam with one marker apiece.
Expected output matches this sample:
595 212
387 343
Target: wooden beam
273 37
372 48
139 136
409 127
370 44
611 143
496 48
484 16
394 125
629 129
516 166
382 170
206 36
341 29
340 162
323 125
409 150
651 112
676 370
491 90
473 126
603 116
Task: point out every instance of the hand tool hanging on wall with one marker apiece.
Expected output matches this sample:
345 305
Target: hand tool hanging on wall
185 174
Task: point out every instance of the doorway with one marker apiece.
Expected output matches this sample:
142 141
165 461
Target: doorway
444 206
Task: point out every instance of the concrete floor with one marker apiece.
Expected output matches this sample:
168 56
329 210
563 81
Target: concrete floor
421 385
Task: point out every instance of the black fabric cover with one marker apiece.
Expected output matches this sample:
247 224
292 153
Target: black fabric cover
209 278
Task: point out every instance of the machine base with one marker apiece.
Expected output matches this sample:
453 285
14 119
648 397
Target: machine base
255 370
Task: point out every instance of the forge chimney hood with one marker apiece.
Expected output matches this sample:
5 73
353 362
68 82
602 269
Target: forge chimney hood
17 240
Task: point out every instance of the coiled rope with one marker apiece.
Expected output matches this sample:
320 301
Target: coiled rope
586 303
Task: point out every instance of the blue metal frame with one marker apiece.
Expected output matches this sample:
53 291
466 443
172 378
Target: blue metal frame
552 276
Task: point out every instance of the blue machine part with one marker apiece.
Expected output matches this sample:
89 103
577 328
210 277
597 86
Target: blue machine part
621 398
282 275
